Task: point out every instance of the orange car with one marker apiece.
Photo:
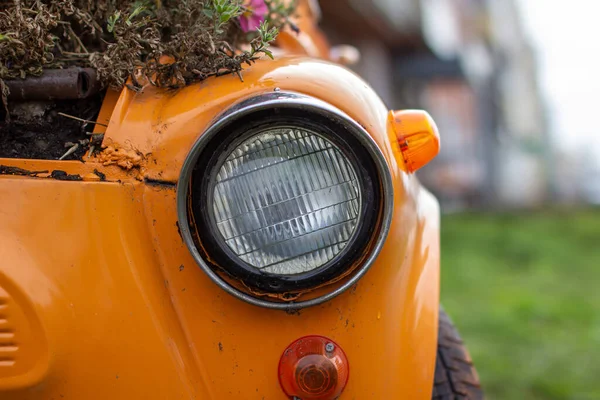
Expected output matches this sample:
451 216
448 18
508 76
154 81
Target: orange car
263 239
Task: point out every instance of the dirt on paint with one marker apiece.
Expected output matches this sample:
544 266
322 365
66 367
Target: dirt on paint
37 131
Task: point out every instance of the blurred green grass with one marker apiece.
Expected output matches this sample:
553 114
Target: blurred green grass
524 291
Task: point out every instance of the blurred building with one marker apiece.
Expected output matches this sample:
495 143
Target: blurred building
469 63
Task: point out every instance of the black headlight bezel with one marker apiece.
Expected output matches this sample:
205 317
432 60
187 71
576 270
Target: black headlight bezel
271 101
220 257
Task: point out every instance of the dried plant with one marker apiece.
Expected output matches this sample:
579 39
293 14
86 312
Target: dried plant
167 43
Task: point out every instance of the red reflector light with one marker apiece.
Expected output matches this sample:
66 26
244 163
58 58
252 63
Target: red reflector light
313 368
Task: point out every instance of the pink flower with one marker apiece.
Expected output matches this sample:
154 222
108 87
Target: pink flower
255 12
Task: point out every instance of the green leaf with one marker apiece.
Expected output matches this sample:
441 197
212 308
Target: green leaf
112 20
224 17
268 53
136 12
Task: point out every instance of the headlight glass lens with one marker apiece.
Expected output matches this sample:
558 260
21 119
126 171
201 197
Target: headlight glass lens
286 201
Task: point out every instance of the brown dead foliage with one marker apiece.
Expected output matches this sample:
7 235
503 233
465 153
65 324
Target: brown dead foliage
168 43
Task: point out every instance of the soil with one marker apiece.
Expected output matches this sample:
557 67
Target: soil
36 131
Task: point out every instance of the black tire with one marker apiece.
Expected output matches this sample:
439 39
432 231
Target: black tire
455 375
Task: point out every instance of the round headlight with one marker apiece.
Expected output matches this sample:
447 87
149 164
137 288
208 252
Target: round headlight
285 201
284 194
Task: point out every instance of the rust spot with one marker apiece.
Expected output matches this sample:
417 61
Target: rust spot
6 170
63 176
178 229
100 175
160 183
293 311
220 346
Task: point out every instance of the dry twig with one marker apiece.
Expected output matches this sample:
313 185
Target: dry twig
85 121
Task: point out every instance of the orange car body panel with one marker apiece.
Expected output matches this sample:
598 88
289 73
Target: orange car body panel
100 298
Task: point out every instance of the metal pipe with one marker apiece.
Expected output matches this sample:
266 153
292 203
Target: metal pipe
56 84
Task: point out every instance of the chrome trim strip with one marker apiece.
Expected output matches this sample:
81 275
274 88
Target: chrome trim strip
284 100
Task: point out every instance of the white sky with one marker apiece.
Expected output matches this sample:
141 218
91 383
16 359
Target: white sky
566 35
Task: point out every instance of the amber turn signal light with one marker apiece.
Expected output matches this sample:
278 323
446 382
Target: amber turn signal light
415 137
313 368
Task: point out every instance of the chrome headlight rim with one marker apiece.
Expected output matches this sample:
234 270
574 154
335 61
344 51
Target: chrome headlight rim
298 103
212 241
